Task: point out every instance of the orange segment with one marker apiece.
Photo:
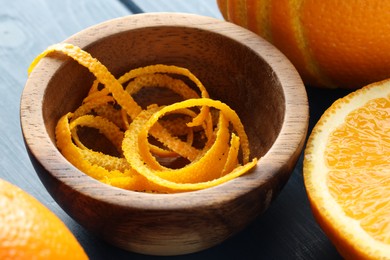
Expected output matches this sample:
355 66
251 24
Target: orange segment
347 172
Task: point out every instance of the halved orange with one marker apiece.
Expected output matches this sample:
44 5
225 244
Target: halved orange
347 172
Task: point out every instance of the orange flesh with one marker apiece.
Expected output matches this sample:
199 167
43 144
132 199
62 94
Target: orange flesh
359 159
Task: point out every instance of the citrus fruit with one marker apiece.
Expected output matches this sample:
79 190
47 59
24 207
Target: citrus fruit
347 172
331 43
28 230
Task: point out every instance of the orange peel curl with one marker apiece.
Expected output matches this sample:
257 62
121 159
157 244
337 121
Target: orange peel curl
110 108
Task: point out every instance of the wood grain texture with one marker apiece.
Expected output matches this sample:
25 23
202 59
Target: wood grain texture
238 68
26 29
201 7
286 230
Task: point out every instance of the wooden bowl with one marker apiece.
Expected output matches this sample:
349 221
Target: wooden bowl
236 66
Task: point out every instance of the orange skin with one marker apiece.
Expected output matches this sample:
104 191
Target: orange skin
29 230
331 43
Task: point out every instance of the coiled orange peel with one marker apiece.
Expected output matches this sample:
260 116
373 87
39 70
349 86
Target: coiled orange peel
205 133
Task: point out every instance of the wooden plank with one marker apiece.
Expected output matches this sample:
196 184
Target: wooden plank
201 7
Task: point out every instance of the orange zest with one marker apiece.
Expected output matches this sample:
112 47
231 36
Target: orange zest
204 136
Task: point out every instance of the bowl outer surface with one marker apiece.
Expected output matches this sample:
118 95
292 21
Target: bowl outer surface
167 224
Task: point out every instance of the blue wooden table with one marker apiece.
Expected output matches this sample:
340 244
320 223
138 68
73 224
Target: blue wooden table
287 230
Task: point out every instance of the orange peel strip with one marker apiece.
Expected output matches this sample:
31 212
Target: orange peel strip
161 68
229 113
162 81
94 88
100 71
86 108
175 85
96 95
114 86
135 146
177 126
166 186
166 127
75 156
106 161
232 157
215 164
174 143
208 165
108 111
105 127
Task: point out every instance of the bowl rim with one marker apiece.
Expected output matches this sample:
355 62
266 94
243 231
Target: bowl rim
278 156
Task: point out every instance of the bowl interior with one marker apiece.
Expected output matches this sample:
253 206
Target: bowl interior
230 71
236 67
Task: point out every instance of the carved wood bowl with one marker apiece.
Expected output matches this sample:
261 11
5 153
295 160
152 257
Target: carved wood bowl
236 66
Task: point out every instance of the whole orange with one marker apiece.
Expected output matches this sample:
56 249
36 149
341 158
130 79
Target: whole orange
332 43
28 230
